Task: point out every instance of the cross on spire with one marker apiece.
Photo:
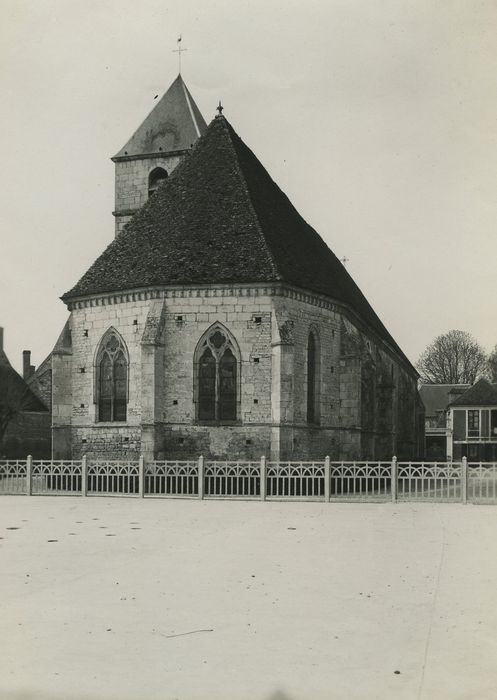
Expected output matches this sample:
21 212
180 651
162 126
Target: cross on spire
220 109
179 51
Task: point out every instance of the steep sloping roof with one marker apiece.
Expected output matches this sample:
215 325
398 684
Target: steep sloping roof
220 218
480 394
174 124
4 360
14 392
436 397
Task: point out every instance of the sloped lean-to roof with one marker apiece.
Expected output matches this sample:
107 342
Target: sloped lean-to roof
220 218
174 124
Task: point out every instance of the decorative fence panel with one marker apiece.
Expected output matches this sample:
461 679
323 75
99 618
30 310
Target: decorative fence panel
302 480
429 481
319 481
232 479
360 481
171 479
13 476
482 483
111 477
56 477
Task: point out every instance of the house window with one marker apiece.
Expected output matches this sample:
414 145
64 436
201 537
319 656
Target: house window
112 378
473 423
218 377
156 177
312 378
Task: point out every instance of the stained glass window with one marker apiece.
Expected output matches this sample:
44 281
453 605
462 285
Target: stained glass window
112 379
311 379
217 379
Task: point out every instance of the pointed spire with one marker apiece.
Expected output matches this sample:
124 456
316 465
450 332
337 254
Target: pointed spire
174 124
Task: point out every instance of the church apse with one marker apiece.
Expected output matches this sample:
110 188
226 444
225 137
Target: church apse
242 333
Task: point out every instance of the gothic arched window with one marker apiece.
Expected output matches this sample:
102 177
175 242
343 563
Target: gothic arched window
112 378
313 378
217 374
156 177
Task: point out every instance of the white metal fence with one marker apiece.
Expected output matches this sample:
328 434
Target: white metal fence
13 476
317 481
482 482
417 481
352 481
55 477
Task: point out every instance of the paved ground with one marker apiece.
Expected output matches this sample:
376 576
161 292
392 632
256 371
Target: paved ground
127 599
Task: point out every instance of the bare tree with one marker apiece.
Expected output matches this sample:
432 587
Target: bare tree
492 365
15 397
453 358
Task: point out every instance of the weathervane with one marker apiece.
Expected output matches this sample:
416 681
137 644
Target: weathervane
179 51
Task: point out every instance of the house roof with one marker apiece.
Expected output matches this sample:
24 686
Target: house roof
220 218
4 360
482 393
15 392
174 124
436 397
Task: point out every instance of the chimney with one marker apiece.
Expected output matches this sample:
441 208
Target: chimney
1 338
27 367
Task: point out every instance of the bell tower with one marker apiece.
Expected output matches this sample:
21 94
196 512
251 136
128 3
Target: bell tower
155 149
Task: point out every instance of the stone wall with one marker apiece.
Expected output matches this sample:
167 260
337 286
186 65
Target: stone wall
131 184
365 396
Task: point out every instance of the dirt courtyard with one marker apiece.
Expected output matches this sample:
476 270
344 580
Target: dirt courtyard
132 599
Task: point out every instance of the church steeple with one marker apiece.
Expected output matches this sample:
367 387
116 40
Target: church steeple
155 149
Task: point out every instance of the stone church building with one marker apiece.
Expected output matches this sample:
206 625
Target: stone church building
218 322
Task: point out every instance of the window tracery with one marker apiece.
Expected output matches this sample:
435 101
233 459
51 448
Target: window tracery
112 378
218 375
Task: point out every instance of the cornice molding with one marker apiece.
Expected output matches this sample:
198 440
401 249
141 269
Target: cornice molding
247 291
157 154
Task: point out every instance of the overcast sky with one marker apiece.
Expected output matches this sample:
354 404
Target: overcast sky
378 118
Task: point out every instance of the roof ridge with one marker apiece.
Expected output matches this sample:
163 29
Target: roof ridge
188 102
227 126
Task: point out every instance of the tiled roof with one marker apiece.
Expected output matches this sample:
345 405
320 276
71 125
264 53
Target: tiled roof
436 397
174 124
480 394
220 218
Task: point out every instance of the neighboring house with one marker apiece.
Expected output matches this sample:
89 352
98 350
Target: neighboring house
460 421
218 322
436 398
29 432
472 422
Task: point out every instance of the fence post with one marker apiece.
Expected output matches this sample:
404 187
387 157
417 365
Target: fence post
84 476
464 480
200 477
263 478
393 479
327 478
29 476
141 477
